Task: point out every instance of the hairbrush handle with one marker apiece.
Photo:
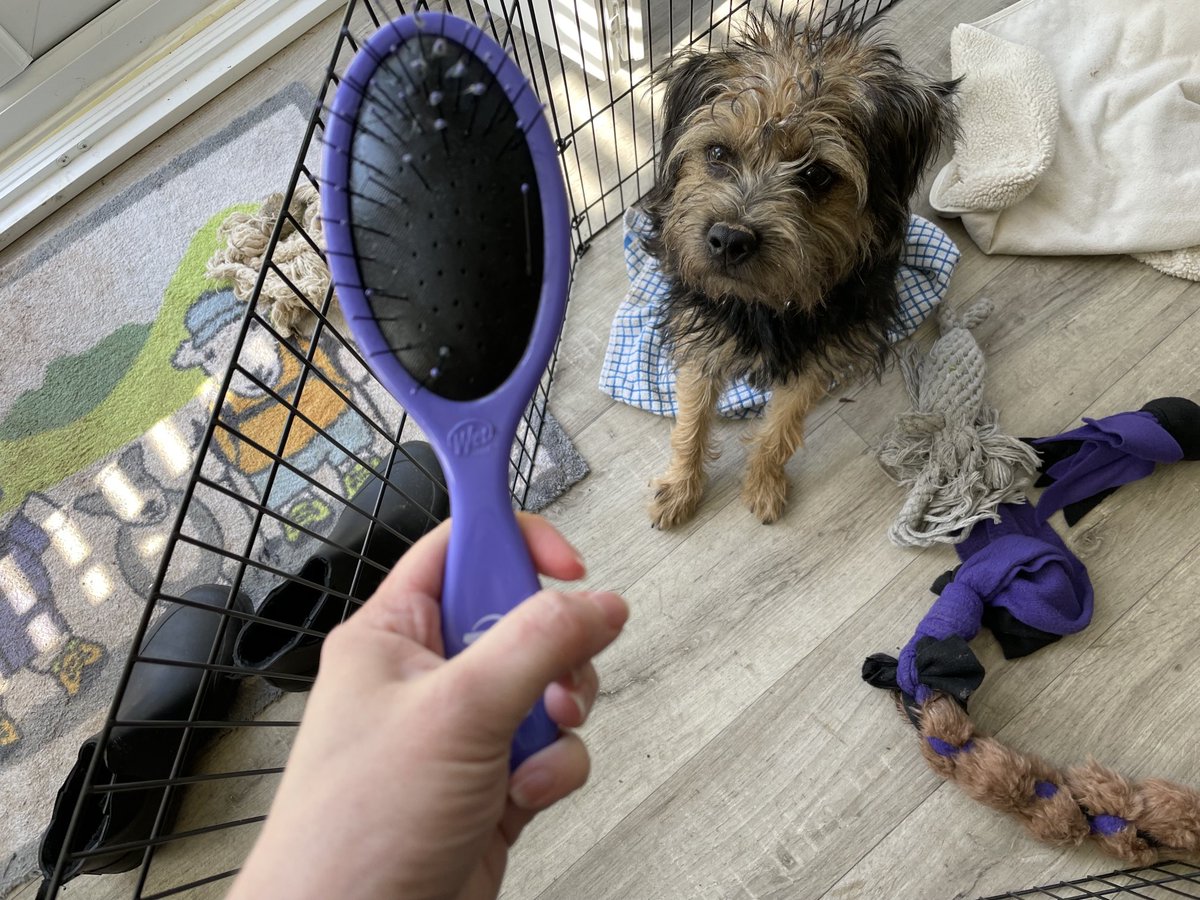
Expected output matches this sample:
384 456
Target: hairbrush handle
489 570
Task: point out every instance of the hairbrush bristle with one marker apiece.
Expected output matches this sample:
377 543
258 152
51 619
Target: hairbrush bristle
442 207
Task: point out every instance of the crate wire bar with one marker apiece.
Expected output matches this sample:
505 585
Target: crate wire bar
593 64
1165 881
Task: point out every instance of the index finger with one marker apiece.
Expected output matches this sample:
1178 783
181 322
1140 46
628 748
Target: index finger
422 568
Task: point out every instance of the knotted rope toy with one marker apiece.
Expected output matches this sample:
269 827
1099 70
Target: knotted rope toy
1018 579
296 263
949 449
1139 821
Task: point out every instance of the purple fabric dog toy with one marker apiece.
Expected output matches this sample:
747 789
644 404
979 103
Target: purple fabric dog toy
1083 466
1018 579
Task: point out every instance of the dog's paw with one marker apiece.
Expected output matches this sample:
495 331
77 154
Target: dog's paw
765 493
674 501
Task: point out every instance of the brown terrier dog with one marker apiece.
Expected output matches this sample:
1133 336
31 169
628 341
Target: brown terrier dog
779 212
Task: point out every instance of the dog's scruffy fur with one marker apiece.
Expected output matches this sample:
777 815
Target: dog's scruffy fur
779 213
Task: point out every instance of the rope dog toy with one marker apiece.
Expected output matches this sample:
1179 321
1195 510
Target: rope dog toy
949 450
1138 821
1018 579
297 265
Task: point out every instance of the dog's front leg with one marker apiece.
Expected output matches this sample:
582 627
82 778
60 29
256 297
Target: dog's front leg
765 489
677 493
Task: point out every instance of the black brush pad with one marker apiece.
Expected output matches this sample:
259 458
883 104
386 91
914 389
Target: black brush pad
446 218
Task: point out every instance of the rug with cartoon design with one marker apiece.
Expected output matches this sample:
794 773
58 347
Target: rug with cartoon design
118 342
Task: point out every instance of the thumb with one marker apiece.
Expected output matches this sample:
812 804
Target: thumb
539 642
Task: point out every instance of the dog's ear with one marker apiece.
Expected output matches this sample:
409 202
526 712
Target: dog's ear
910 118
692 81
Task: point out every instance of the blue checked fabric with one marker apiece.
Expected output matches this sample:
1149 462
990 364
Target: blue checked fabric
637 367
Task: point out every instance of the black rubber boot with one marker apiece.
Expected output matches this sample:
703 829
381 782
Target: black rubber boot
414 506
134 753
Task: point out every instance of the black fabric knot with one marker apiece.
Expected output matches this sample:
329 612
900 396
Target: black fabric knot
946 665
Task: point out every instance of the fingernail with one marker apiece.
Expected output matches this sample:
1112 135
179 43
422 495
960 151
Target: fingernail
575 552
530 790
612 606
580 702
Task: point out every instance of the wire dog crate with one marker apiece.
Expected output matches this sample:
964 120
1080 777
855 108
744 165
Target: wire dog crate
592 63
1166 881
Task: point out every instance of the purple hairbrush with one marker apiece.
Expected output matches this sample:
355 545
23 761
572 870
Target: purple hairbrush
447 236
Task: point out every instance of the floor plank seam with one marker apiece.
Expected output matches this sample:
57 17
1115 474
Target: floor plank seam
997 730
746 709
1097 637
1118 379
899 822
578 432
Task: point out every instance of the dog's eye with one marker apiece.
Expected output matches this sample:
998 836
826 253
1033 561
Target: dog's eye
816 177
718 156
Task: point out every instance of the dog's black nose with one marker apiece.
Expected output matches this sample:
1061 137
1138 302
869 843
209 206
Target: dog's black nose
733 244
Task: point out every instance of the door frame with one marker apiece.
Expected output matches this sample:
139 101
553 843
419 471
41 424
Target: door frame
148 64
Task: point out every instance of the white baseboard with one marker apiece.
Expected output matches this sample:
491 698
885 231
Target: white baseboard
100 128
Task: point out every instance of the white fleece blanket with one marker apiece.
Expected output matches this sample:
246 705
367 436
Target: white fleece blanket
1080 131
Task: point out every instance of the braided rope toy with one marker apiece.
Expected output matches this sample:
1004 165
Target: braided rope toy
1018 579
1138 821
296 263
949 450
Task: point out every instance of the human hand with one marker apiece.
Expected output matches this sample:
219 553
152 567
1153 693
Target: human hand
398 784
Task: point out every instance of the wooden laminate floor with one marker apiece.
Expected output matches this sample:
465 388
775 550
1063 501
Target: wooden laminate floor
736 752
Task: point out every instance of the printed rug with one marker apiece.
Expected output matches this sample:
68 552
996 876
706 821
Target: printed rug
116 343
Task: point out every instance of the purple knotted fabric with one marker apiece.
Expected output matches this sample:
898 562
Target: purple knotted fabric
1112 451
1018 564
